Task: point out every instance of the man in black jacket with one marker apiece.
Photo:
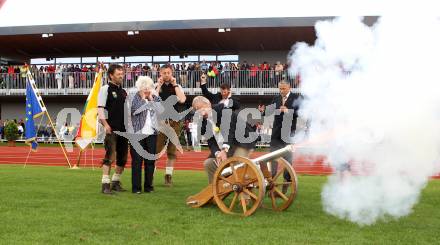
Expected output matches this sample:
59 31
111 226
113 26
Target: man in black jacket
223 97
223 140
285 107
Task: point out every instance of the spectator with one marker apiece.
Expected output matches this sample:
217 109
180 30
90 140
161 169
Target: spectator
34 70
193 132
264 76
128 73
23 71
187 129
83 75
219 66
183 76
20 130
278 72
70 70
49 131
204 66
11 70
154 71
59 76
22 123
64 131
245 66
253 75
146 68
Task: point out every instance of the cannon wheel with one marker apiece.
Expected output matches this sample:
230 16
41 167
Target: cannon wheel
282 198
243 187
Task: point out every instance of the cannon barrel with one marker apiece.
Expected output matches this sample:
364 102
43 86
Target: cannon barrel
264 158
273 155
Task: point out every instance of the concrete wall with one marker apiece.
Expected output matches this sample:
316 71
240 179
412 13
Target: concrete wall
257 57
16 110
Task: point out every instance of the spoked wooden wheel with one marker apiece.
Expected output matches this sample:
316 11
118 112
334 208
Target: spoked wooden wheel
282 192
238 186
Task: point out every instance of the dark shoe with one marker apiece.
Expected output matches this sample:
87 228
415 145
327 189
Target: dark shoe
106 189
149 189
117 186
168 180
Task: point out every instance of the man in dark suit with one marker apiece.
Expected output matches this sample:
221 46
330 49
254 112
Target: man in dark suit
222 135
223 97
285 106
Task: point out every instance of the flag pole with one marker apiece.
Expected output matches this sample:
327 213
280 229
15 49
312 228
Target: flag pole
85 158
58 139
27 158
79 158
30 148
93 152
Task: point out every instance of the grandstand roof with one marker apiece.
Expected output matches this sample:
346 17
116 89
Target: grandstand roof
181 41
167 37
84 27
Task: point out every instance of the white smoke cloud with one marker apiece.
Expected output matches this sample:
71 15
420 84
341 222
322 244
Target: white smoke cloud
372 94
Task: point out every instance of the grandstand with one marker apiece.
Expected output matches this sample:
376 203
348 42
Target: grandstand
47 38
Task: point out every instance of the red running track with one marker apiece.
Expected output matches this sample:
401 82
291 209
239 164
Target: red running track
53 156
189 160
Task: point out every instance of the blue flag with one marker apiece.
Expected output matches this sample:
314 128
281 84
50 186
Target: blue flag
34 109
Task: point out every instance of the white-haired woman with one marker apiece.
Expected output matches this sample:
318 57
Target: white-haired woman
144 108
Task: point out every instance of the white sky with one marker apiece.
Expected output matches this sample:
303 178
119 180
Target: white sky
46 12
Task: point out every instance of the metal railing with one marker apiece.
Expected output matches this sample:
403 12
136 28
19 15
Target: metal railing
79 83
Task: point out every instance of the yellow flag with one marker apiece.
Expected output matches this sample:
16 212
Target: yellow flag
89 119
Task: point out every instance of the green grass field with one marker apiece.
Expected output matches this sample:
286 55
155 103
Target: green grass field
54 205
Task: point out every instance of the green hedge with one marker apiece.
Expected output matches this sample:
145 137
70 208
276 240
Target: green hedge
11 131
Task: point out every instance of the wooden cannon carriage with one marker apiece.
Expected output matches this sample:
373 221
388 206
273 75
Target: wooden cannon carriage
240 185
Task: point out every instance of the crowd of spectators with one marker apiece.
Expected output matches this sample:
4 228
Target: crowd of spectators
192 66
82 76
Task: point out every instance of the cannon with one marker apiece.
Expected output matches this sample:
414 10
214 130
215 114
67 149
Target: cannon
240 185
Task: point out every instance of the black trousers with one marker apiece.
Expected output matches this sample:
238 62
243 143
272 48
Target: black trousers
276 145
189 139
149 145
